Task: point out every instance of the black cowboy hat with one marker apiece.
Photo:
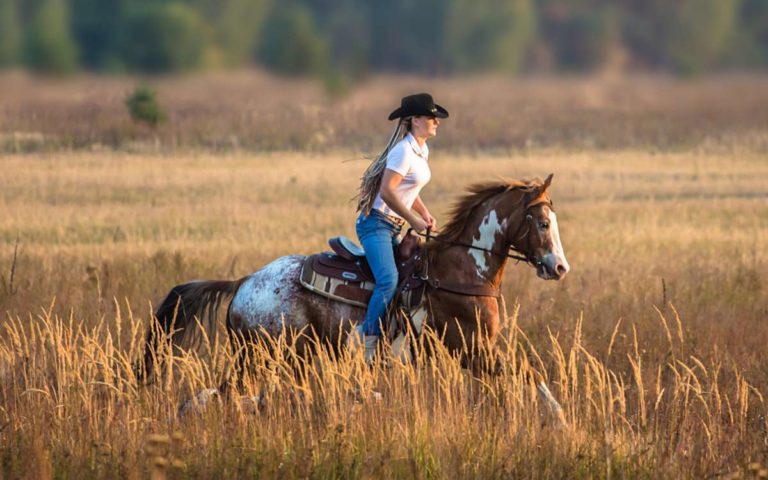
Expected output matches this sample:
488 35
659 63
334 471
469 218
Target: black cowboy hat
419 104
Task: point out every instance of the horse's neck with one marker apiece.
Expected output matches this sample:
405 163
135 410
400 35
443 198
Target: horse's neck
490 229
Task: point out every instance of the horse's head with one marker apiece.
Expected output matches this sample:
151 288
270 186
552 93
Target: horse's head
494 216
539 237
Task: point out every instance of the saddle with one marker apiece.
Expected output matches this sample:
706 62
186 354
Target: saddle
344 275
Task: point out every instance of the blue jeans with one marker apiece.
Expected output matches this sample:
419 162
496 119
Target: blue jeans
378 237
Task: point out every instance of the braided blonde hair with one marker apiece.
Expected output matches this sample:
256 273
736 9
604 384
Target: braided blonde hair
370 182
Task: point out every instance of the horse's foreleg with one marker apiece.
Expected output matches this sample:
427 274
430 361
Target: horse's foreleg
551 410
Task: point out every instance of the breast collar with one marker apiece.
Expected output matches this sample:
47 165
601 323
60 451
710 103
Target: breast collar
422 152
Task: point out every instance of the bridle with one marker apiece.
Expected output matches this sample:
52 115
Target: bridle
513 252
485 290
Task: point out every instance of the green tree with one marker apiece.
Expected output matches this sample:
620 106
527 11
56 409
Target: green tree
49 45
582 36
144 108
291 43
349 35
700 31
163 37
236 26
687 36
488 34
754 34
95 24
10 34
408 34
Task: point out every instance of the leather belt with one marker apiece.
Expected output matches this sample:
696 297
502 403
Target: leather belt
397 221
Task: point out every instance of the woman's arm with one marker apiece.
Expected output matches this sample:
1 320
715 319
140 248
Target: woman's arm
389 182
421 209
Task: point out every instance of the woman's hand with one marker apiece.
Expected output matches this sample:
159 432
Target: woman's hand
423 211
430 220
418 224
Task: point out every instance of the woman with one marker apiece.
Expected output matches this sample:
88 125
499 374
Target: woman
389 197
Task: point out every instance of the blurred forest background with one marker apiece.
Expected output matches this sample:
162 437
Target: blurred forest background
344 40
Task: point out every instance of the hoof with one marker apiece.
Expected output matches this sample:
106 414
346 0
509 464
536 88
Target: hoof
552 414
373 395
253 404
199 403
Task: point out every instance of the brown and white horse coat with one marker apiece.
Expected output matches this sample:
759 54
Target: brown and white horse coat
471 251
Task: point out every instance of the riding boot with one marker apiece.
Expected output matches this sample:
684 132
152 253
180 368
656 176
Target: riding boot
371 342
358 339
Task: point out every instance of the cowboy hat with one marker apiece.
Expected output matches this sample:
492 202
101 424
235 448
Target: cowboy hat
418 104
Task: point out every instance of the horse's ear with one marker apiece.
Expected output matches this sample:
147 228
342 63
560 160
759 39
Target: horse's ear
547 182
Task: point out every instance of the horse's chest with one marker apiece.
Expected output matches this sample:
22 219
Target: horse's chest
468 311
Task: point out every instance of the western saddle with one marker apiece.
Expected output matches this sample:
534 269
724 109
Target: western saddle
344 275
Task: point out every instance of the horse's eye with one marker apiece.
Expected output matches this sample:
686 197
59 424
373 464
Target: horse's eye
544 225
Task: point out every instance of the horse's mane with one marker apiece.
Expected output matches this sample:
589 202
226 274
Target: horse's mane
476 194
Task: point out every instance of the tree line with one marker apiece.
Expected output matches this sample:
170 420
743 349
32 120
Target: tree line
347 39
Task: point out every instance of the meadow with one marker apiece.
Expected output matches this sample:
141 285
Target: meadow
256 111
654 343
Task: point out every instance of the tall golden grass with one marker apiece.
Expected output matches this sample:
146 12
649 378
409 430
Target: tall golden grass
654 344
72 406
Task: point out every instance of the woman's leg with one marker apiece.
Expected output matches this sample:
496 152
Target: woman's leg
376 235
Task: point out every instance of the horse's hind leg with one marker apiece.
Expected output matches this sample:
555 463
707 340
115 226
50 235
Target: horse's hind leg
233 376
240 347
291 349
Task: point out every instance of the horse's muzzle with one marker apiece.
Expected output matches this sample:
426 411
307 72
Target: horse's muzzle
552 267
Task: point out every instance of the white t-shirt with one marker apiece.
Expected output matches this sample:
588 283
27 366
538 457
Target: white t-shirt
411 161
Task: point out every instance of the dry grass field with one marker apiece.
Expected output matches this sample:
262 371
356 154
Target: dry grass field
253 110
655 343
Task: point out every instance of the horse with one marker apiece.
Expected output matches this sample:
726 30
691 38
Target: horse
490 224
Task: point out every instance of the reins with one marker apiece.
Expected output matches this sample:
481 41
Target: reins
519 256
512 253
478 290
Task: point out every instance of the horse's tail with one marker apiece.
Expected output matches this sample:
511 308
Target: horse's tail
177 317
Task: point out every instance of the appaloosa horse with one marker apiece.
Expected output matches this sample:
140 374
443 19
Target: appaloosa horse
465 266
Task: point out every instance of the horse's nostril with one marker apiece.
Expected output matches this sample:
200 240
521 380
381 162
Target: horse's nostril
561 270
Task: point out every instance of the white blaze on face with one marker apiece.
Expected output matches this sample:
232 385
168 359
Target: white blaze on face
557 255
488 230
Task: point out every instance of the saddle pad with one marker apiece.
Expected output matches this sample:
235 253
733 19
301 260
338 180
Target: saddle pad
339 281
